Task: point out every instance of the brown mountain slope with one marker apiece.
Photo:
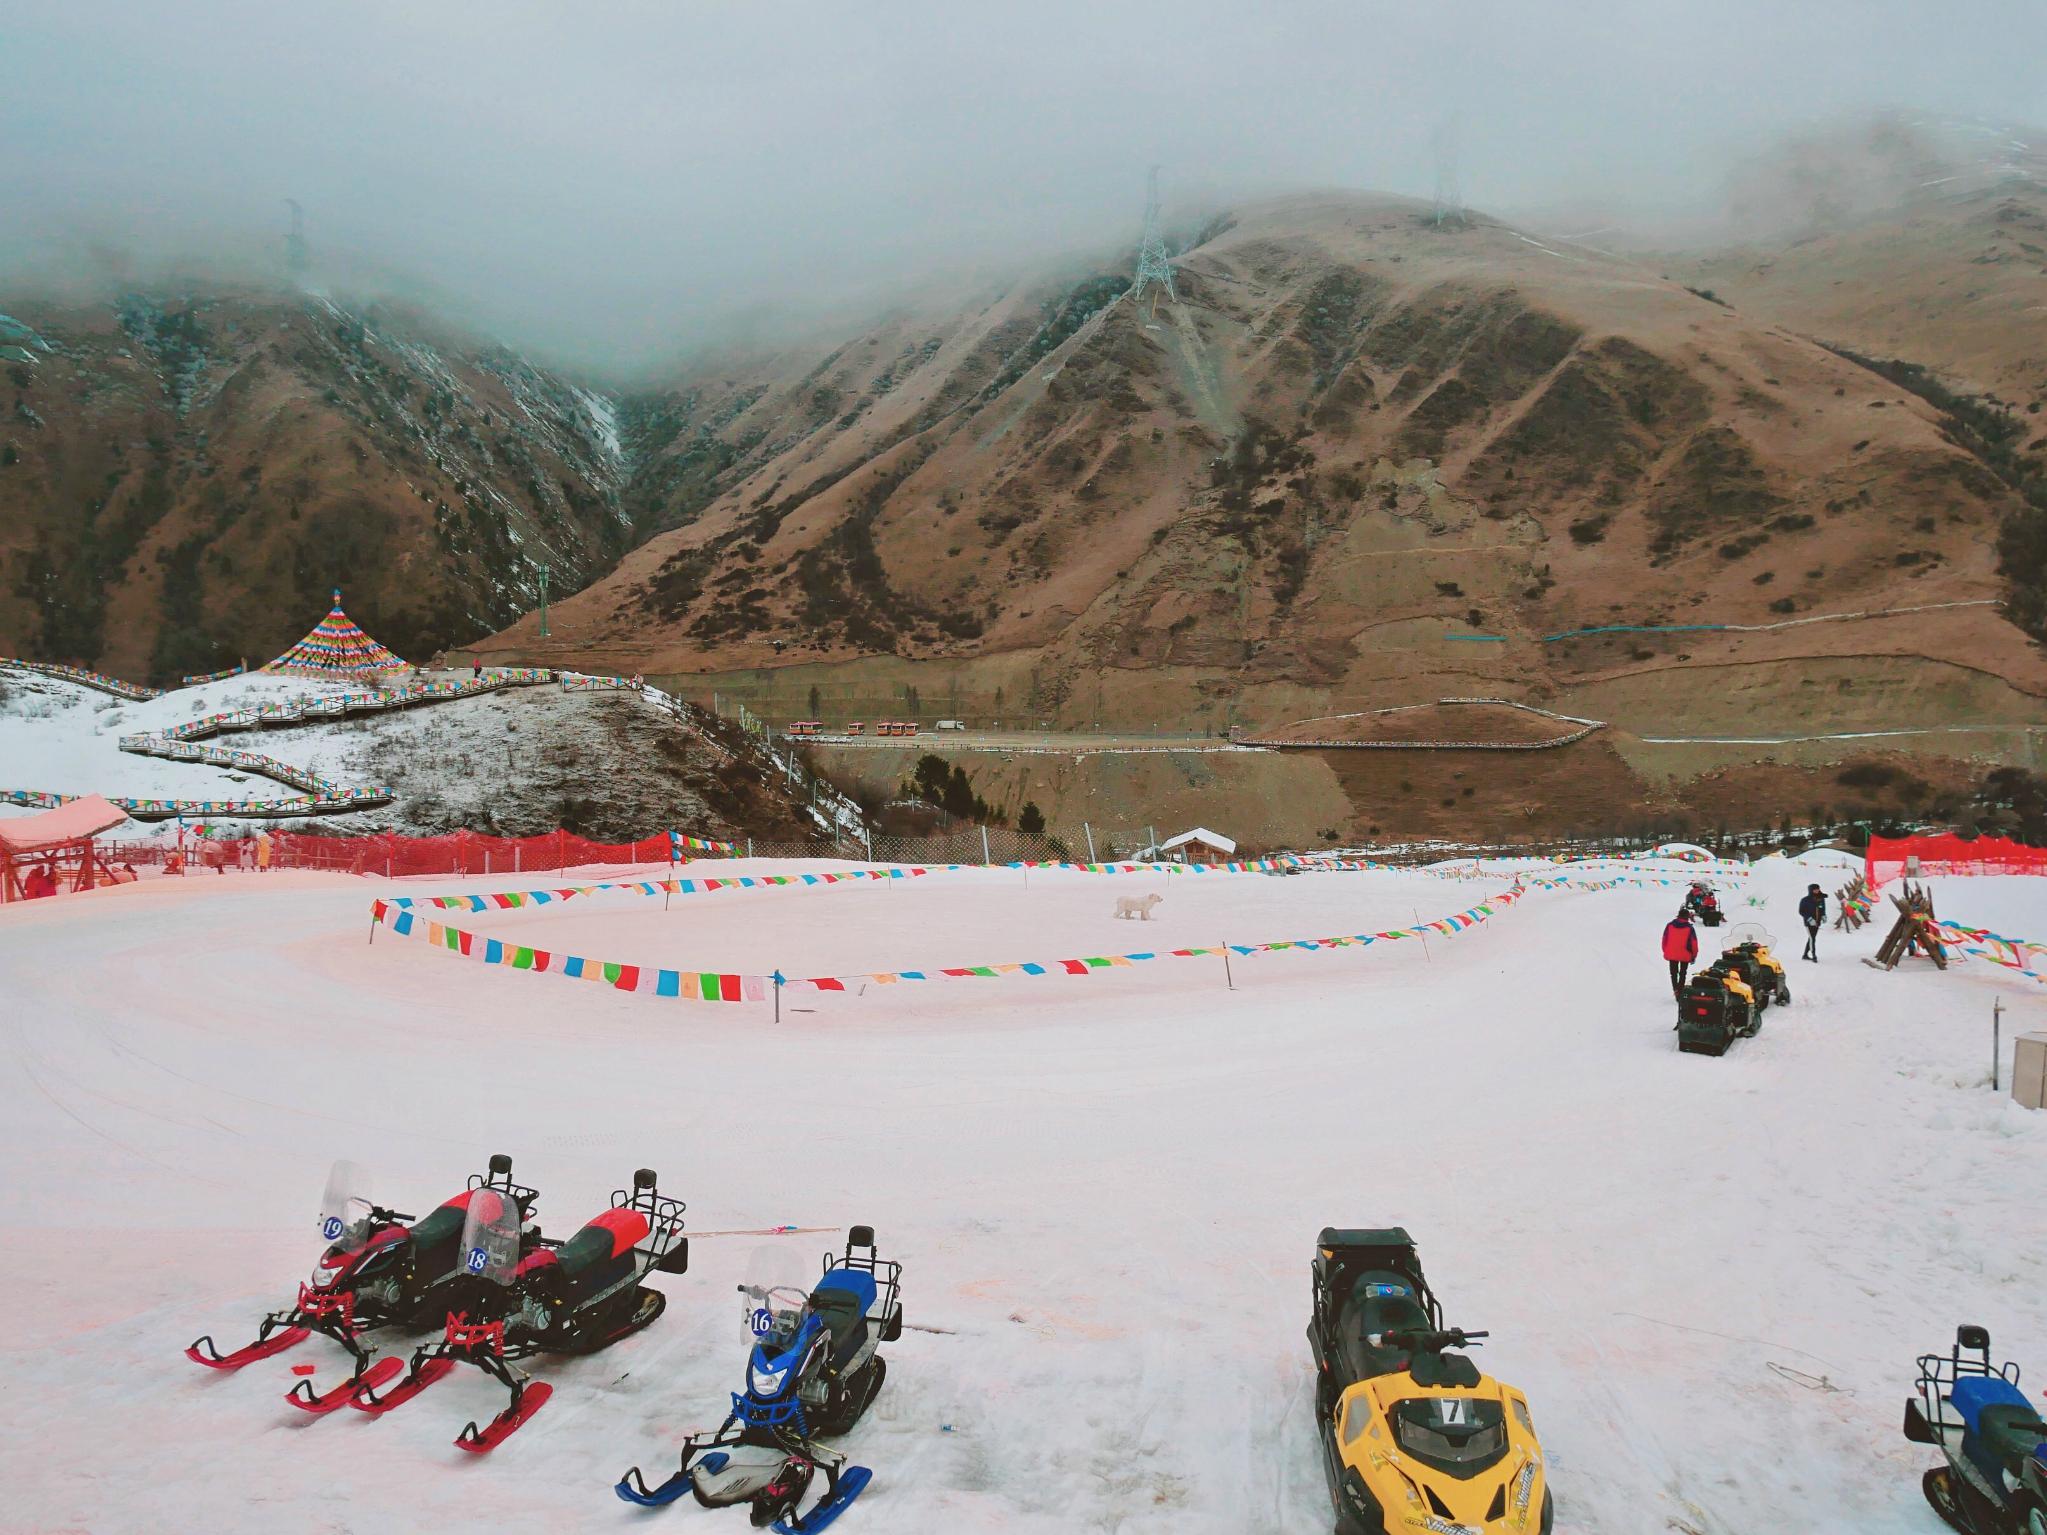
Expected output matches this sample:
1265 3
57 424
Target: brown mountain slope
1362 460
182 480
1958 285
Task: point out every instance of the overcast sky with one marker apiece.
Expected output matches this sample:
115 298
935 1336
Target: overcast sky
604 181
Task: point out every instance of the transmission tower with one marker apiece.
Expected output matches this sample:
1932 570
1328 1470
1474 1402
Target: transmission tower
296 259
1449 196
1152 263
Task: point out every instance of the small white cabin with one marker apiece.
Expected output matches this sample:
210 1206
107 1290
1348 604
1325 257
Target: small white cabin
1197 846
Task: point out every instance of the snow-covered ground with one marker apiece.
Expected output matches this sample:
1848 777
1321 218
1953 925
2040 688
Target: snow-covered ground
60 738
510 755
1106 1190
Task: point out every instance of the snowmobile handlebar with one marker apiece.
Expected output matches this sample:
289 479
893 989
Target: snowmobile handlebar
379 1214
1427 1340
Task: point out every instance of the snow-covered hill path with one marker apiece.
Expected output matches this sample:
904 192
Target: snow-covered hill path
1106 1188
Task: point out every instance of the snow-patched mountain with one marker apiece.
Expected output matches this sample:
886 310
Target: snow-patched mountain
185 476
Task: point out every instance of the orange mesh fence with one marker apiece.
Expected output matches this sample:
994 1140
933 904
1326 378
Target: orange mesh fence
395 856
1889 857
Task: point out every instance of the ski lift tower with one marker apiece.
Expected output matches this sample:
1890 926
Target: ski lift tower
1153 266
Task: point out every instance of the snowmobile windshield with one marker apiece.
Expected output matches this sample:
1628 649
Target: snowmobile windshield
345 1207
775 1295
1460 1435
490 1236
1748 932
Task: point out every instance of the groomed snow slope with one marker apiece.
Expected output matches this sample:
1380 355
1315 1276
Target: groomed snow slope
1106 1187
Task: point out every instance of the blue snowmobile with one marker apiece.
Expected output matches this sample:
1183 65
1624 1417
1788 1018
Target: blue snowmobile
1995 1444
812 1373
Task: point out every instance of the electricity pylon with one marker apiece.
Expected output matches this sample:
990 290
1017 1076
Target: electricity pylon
1152 263
1449 195
296 259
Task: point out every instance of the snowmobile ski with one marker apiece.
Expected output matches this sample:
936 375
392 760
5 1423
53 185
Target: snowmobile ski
213 1359
303 1396
365 1399
851 1481
634 1489
505 1423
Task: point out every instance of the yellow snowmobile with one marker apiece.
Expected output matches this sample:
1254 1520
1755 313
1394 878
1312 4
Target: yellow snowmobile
1412 1436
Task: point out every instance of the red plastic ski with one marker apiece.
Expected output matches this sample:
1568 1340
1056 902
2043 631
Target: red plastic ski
403 1392
369 1380
277 1343
502 1426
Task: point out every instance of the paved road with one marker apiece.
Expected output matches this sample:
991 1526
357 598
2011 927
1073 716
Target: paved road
1077 743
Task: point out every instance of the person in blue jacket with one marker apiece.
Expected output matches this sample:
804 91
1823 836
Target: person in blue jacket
1812 911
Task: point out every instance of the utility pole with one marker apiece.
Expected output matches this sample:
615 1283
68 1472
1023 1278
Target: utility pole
543 601
1153 265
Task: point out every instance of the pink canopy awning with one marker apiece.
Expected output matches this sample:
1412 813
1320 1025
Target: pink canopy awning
85 817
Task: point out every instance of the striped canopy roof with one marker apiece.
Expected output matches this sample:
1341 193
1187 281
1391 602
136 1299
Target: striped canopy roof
336 648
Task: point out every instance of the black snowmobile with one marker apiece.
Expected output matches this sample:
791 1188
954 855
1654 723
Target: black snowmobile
1749 953
1726 1000
1995 1479
1716 1008
379 1269
1703 904
520 1295
811 1374
1412 1435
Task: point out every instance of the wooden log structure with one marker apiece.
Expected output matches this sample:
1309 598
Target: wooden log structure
1913 931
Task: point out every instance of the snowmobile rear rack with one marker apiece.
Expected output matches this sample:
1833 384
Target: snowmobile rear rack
888 1278
664 1221
1341 1255
500 1178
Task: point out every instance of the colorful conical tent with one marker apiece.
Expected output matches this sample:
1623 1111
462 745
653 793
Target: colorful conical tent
336 648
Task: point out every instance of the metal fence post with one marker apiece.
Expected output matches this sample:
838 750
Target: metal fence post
1090 841
986 858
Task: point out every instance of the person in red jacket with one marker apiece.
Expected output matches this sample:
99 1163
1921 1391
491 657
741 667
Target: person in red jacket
1680 947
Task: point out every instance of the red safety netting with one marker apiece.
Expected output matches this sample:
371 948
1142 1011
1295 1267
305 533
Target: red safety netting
395 856
1949 854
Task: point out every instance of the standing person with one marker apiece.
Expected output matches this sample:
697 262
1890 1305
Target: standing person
1680 947
1812 911
263 852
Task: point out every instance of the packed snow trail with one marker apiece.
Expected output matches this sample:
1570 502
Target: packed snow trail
1105 1189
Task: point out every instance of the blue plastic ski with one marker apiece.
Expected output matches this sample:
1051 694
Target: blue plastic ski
652 1497
634 1489
851 1481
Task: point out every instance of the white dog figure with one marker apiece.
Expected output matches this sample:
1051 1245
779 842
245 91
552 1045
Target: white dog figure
1138 906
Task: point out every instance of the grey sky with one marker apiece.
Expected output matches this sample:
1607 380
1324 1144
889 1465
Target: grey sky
604 181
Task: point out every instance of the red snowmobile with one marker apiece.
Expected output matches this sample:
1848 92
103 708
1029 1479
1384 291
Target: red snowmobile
519 1294
380 1269
1703 904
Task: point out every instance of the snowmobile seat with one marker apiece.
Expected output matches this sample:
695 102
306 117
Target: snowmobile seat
859 1281
2000 1426
441 1229
1380 1301
841 1301
1972 1393
602 1251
